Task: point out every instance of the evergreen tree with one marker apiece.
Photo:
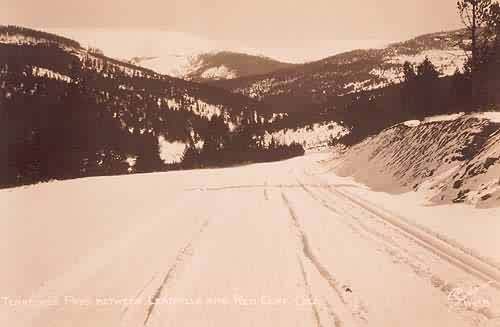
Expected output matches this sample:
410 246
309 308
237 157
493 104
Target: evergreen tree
216 138
190 157
475 16
420 90
480 18
148 155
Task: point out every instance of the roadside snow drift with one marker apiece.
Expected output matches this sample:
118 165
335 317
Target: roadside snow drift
452 158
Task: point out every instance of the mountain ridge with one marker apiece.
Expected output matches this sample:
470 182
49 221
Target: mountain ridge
353 71
229 65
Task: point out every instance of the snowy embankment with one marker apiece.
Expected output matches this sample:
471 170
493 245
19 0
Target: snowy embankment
453 158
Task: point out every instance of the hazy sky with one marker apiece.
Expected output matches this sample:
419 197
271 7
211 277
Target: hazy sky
256 23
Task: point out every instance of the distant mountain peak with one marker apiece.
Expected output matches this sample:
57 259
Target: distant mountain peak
221 65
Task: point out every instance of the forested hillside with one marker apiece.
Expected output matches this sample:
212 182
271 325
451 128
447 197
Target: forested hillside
70 112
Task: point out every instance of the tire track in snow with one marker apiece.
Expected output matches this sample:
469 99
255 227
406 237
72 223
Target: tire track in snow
336 320
259 186
181 256
306 249
309 294
351 226
391 247
357 310
455 256
363 230
137 296
388 244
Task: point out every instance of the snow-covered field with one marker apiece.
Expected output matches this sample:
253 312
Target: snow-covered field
313 136
276 244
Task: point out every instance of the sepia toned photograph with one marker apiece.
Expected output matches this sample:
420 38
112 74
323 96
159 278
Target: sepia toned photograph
234 163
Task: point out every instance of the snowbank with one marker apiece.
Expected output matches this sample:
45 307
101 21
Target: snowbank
452 158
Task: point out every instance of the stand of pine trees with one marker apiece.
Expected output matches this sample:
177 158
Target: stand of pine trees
222 148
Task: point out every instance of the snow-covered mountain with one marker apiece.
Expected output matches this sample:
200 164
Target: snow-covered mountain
191 57
230 65
165 52
177 54
188 56
358 70
127 109
47 67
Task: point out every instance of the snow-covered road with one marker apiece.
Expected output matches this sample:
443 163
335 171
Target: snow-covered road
276 244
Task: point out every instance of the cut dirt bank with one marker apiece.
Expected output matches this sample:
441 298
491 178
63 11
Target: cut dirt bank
452 158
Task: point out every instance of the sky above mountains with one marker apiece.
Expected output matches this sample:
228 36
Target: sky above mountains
259 24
